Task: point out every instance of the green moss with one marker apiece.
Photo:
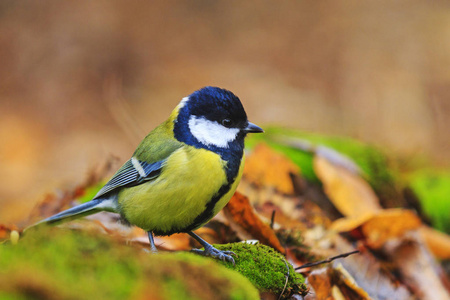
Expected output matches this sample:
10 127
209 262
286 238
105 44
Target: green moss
433 190
191 268
265 268
10 296
76 260
61 264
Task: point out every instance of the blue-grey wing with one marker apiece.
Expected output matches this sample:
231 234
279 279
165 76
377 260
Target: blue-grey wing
133 172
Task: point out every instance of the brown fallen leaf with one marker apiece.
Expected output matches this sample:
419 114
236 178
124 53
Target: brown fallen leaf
438 242
405 252
389 224
240 213
349 224
380 227
417 267
347 284
351 194
335 283
366 270
290 211
265 167
320 282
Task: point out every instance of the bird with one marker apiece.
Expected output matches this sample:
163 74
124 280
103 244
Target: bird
181 174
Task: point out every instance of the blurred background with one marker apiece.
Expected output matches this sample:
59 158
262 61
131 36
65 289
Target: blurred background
82 81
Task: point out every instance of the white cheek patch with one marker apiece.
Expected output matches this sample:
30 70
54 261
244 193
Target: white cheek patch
211 133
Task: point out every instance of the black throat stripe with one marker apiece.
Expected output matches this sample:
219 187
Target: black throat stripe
208 213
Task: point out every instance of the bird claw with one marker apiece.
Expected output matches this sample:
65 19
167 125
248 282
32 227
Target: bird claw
215 253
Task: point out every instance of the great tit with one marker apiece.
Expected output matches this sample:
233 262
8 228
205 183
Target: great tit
182 173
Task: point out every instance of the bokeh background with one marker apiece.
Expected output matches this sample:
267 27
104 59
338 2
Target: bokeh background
81 81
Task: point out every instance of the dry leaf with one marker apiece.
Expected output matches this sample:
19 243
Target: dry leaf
351 194
320 282
264 167
368 272
438 242
389 224
335 283
417 267
349 224
347 284
380 227
240 212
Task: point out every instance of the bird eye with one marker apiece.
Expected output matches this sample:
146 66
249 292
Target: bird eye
226 123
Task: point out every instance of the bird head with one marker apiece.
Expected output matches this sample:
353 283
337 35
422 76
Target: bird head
212 118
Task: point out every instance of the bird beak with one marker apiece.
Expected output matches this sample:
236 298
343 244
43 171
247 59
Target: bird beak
253 128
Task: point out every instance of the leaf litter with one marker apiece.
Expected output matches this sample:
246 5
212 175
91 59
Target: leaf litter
306 222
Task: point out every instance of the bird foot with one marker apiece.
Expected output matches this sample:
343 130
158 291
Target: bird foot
216 253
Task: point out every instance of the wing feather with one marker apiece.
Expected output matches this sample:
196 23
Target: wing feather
128 175
147 160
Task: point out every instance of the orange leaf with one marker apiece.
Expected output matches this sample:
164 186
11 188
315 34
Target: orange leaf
240 212
264 167
349 224
389 224
335 283
321 283
438 242
382 226
350 194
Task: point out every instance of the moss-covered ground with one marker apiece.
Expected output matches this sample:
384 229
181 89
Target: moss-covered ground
265 268
54 263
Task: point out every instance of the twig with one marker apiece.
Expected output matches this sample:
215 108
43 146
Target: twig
328 260
272 219
287 276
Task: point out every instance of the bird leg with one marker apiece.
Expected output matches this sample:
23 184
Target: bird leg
211 251
152 242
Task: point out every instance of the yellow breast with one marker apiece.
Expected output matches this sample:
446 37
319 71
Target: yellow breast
171 202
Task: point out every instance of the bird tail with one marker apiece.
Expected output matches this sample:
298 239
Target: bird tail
79 211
